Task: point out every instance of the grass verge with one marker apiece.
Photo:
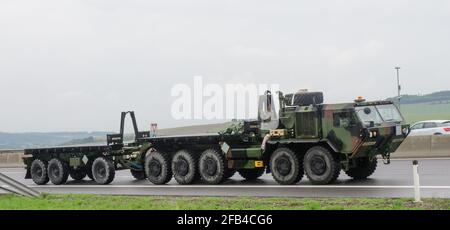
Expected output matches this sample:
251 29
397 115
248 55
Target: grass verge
104 202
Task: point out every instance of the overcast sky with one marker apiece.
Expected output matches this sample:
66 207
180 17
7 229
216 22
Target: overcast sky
74 65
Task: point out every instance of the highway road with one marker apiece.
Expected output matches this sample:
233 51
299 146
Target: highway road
394 180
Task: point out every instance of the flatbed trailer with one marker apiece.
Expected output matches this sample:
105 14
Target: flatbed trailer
99 162
308 137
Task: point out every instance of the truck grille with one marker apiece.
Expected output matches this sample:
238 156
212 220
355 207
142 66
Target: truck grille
307 124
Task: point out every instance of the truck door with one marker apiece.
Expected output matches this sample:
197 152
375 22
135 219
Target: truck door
341 130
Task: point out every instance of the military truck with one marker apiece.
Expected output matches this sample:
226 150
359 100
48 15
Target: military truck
304 137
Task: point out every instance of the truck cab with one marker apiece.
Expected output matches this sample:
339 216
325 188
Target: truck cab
325 138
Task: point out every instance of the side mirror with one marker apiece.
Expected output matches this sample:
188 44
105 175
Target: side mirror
406 131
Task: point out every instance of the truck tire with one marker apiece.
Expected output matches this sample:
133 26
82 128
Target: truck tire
251 174
58 171
229 173
138 174
38 171
364 168
77 174
286 166
103 170
157 167
321 166
212 165
185 167
304 98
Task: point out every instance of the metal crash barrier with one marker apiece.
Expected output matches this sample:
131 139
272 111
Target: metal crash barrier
423 147
10 185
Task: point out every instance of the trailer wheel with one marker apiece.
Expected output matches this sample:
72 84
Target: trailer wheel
103 170
157 167
185 167
229 173
286 166
58 171
321 166
212 166
251 174
38 172
364 168
78 174
138 174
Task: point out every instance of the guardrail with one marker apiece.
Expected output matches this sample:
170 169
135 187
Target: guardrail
424 146
11 158
10 185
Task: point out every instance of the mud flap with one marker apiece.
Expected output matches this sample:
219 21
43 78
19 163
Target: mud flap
28 174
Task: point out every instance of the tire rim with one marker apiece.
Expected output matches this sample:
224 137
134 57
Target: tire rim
283 165
181 166
155 168
55 171
210 166
37 171
100 171
318 165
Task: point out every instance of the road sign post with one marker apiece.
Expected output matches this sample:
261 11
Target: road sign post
416 181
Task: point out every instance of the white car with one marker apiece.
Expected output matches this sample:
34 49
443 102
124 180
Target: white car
431 127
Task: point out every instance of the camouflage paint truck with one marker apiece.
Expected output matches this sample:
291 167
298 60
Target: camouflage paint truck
304 137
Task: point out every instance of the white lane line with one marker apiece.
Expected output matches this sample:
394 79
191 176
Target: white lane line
237 186
418 158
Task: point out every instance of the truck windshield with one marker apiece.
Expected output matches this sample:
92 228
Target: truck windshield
389 113
368 115
378 114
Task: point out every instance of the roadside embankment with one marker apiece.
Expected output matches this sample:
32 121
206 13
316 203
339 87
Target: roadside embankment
108 202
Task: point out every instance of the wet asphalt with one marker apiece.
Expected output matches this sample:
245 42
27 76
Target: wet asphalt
394 180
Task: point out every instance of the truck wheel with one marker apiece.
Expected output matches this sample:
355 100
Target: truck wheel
364 168
212 166
286 166
321 166
157 167
77 174
185 167
38 171
229 173
251 174
103 170
58 171
138 174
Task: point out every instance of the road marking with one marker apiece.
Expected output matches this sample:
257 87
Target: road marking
238 186
418 158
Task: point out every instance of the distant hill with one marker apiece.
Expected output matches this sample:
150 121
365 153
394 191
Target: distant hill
184 130
433 106
195 129
426 111
35 140
437 97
